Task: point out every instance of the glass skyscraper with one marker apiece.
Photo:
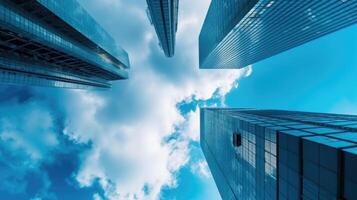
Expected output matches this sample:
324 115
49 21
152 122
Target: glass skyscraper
163 14
237 33
56 43
273 154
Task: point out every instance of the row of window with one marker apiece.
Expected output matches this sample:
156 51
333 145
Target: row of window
85 24
50 38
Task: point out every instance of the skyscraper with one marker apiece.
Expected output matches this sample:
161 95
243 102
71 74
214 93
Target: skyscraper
237 33
163 14
272 154
56 43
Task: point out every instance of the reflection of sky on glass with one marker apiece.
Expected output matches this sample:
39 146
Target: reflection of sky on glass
58 144
78 18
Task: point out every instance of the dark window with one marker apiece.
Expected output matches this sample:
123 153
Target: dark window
237 139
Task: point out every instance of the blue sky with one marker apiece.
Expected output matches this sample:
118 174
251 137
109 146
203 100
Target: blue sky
140 140
319 76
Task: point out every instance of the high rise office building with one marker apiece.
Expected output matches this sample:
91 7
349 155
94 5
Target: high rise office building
56 43
237 33
163 14
272 154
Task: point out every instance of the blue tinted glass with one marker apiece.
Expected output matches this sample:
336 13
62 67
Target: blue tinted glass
277 162
163 15
62 47
237 33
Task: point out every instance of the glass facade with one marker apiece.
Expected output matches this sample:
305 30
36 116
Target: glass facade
163 14
237 33
42 41
280 154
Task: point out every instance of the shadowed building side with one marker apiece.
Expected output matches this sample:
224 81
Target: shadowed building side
272 154
237 33
163 15
57 44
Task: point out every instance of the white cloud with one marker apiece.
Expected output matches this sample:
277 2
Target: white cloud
201 168
134 151
27 138
97 197
129 126
28 128
191 126
344 106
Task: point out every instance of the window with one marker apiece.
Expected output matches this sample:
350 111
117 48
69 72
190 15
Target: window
237 139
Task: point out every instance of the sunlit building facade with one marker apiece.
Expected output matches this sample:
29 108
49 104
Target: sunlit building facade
58 44
237 33
163 15
272 154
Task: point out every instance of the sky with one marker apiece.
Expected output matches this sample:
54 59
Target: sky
140 140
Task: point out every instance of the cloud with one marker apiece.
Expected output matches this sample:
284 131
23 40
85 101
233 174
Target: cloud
30 130
201 168
139 139
27 138
97 197
345 106
191 126
135 152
